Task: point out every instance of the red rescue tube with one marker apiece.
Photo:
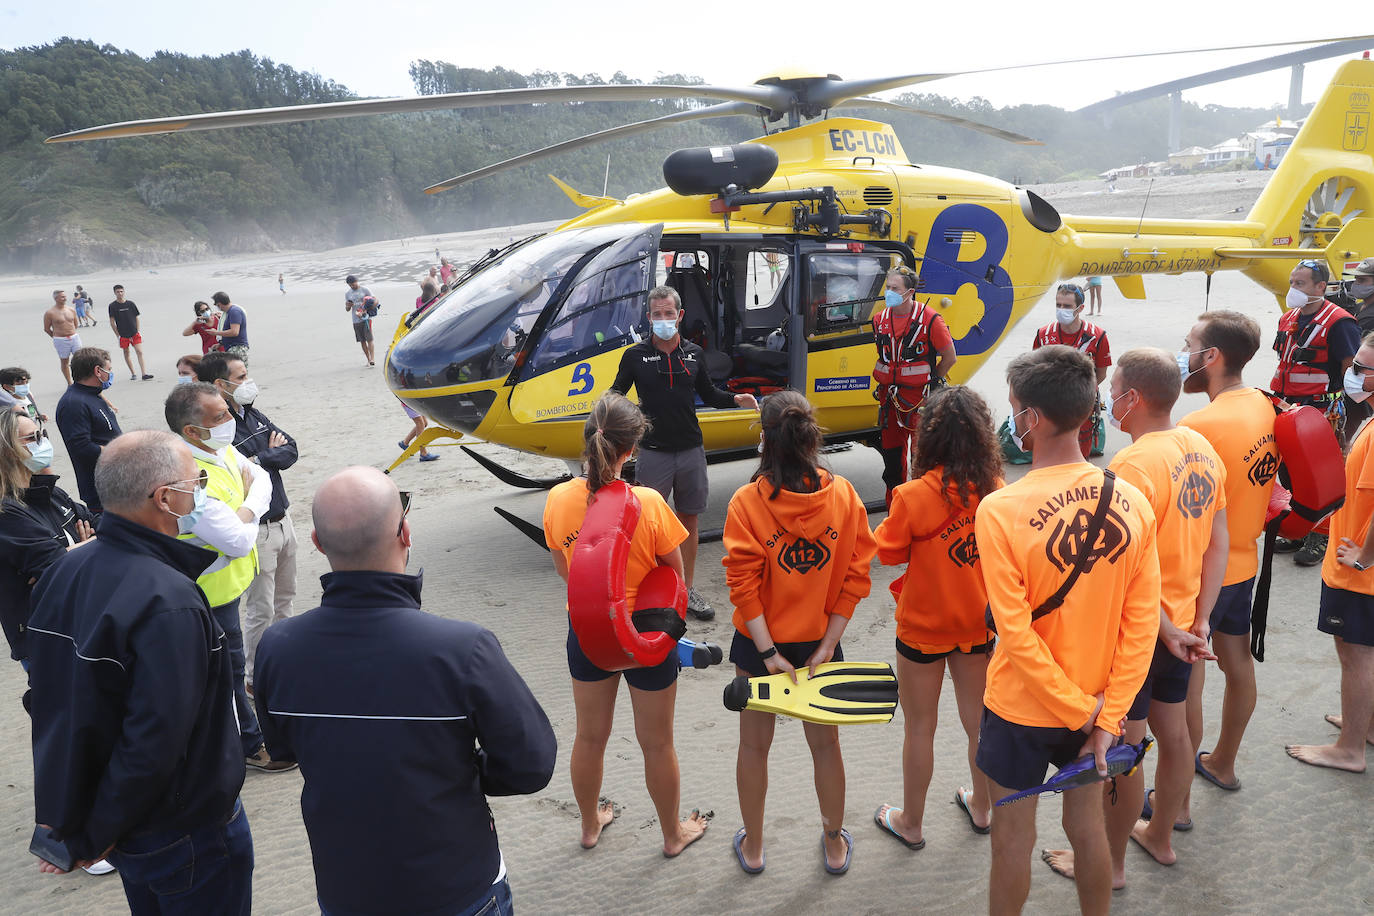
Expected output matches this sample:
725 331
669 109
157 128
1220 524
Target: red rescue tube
600 617
1315 469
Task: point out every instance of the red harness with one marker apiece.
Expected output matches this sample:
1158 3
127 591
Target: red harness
1302 362
904 359
611 637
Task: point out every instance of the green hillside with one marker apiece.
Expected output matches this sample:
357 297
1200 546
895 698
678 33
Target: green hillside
322 184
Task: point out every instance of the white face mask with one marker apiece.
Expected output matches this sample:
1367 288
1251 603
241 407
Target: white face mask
1354 386
1018 439
247 392
220 436
1296 298
1110 407
1065 316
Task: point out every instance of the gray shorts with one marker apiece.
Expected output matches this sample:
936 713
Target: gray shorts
681 474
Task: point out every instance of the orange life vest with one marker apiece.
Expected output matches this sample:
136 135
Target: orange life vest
1302 370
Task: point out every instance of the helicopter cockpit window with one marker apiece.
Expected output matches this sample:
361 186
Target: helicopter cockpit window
844 288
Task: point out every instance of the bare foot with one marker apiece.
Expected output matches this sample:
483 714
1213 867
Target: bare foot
1339 722
605 813
689 830
1327 755
1161 853
1060 862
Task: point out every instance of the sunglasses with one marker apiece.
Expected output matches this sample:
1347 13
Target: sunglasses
1355 364
405 510
35 437
200 481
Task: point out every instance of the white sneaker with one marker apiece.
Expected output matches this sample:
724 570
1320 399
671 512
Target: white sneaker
100 867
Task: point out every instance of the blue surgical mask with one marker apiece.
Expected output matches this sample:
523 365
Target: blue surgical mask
109 381
187 522
1185 359
1018 439
1110 406
893 299
665 329
40 455
21 390
185 379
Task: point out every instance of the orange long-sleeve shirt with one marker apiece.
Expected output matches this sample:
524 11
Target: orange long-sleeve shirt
1048 673
797 559
940 598
1183 478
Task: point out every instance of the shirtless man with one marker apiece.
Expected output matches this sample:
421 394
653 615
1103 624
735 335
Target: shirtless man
59 323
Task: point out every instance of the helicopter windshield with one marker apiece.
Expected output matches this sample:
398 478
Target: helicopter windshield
475 332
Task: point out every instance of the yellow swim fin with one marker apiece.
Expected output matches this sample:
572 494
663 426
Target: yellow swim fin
837 693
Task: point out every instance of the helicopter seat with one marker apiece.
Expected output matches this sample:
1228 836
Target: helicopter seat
761 361
718 365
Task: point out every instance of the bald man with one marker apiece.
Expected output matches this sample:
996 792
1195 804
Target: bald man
403 722
135 747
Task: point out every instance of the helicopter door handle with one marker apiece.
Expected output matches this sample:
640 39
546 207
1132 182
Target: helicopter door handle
871 160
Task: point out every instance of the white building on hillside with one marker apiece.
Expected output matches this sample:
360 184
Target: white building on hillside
1225 152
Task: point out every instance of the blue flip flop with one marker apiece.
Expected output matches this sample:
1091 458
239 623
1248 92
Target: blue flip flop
1210 777
739 855
848 854
1147 813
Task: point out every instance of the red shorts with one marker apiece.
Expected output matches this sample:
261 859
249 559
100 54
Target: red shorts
124 342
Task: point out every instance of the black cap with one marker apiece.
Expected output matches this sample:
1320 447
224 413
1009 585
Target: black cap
351 279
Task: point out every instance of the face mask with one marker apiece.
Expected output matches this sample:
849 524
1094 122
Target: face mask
185 379
41 455
21 390
665 330
1065 316
1354 387
246 393
1110 406
185 523
893 299
108 382
1296 298
1018 439
220 436
1362 291
1185 359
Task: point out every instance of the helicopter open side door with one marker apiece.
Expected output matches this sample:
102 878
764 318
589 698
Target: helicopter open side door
576 343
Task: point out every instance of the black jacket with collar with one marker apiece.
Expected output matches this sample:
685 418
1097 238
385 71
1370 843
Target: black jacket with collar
252 430
34 532
131 692
668 385
403 723
87 424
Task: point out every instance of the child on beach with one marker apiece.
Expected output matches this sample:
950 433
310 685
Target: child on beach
940 616
798 548
611 434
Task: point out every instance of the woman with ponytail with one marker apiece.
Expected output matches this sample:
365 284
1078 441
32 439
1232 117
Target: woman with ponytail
941 598
610 436
798 548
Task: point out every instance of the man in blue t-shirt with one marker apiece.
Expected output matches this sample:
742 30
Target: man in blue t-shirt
233 328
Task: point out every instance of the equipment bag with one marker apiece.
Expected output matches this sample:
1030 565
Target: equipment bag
1010 453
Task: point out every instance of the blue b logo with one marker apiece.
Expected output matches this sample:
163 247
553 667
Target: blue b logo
582 375
942 273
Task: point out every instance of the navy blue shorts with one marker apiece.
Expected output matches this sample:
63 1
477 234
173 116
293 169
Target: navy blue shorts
1167 682
1018 756
1349 615
745 654
926 658
1231 613
659 677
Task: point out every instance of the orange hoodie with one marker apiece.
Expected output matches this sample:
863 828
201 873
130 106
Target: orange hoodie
797 559
941 601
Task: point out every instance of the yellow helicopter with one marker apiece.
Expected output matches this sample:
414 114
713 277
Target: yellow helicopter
779 248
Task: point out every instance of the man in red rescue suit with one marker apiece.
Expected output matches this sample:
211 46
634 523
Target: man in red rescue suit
1316 343
915 353
1069 329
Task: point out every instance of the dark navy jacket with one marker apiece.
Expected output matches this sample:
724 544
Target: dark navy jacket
403 723
252 429
131 692
33 536
86 423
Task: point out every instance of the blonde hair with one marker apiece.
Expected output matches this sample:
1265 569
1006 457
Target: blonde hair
14 476
614 428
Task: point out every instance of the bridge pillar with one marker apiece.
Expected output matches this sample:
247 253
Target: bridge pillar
1295 91
1175 117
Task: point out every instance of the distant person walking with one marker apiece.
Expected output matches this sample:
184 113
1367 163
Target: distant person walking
86 420
82 303
1094 295
207 321
233 327
59 323
281 283
355 302
124 321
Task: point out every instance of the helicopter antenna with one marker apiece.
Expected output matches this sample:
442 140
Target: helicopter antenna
606 182
1150 187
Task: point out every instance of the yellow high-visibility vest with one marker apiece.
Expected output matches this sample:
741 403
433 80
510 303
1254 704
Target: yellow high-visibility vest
228 577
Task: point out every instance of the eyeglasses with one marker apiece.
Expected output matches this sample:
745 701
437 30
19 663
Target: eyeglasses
405 510
1355 364
35 437
200 481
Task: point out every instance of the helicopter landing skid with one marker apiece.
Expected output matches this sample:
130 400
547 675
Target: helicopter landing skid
426 438
514 478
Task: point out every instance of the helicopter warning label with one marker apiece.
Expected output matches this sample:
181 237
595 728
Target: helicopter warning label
842 383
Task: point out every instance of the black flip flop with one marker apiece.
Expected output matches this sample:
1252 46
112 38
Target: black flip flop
1147 813
1208 775
963 805
885 825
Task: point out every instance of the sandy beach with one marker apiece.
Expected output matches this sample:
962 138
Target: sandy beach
1294 839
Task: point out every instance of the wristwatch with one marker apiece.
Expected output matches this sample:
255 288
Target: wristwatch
1358 565
769 652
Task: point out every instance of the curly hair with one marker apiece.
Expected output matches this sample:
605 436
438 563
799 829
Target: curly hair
956 434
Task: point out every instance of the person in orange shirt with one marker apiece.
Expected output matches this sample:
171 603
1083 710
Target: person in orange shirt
929 529
1239 422
611 434
797 554
1183 478
1347 598
1059 686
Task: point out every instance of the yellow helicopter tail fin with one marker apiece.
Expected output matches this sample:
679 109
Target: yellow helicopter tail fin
585 201
1323 185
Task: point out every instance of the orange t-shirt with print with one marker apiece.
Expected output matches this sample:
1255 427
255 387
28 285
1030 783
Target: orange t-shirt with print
1240 425
1047 673
658 532
798 558
941 603
1352 518
1185 481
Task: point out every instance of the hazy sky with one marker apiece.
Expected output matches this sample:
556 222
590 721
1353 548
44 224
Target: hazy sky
368 45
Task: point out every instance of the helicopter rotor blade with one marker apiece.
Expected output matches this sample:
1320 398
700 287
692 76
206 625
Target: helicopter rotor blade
765 96
999 133
723 110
